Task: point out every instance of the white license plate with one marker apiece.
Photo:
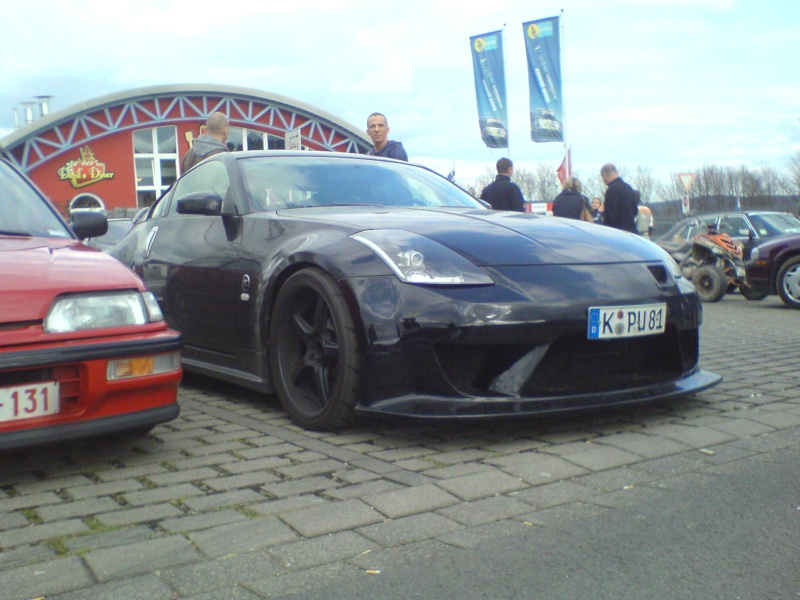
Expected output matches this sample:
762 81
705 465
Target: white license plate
28 401
626 321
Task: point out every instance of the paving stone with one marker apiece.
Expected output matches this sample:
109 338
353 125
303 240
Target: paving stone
332 517
220 574
541 468
208 460
260 464
287 505
695 437
13 520
145 514
200 474
600 458
409 529
79 508
52 485
363 489
242 536
312 468
223 499
402 453
8 505
129 472
143 587
409 501
322 550
355 475
229 593
300 486
482 485
104 489
203 521
24 555
231 482
161 494
647 446
108 539
44 579
141 557
39 533
486 510
454 471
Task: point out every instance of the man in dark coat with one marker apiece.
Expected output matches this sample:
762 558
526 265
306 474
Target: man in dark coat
211 142
378 130
502 193
620 201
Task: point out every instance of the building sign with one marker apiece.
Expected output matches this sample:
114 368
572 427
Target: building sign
84 171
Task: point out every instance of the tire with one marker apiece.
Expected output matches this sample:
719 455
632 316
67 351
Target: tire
711 283
788 282
752 294
313 352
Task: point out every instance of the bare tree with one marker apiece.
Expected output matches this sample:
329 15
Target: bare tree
644 181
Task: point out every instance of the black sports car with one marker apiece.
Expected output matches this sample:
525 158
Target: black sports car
357 285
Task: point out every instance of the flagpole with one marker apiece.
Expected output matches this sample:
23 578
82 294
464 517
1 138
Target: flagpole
567 157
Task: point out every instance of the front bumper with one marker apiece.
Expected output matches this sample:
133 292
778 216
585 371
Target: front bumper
437 407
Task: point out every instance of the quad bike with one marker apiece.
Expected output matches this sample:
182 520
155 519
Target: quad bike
715 265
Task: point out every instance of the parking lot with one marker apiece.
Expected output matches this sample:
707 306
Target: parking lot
232 500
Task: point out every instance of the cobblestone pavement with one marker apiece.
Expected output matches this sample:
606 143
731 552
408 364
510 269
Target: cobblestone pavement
233 501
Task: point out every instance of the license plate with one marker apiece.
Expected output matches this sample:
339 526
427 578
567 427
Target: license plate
28 401
606 322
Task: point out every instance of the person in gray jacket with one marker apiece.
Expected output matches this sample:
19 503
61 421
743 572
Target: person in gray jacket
209 143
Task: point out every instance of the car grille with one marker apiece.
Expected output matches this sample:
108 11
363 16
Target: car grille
574 364
67 376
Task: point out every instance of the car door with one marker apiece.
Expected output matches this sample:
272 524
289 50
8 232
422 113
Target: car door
738 227
189 261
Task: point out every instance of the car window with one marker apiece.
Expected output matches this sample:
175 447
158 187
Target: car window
734 226
292 182
211 176
769 224
23 211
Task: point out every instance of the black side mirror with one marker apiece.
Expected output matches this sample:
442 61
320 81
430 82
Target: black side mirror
86 224
200 203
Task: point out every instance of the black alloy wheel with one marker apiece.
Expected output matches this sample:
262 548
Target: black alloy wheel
313 352
711 283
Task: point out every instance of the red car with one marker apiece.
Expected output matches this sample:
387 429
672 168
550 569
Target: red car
84 348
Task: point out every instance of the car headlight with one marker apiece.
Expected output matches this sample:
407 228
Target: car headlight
419 260
78 312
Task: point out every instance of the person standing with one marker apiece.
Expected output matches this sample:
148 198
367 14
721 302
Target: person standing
211 142
620 201
502 193
570 203
378 131
644 222
597 210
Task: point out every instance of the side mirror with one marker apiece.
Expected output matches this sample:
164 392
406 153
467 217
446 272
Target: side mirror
86 224
200 203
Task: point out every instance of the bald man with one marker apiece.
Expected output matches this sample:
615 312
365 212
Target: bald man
210 143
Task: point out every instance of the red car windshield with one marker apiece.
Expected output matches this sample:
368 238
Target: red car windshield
23 212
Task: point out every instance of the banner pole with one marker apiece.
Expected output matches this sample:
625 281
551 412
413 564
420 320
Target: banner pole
564 100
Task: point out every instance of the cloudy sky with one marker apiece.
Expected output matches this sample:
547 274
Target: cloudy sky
667 85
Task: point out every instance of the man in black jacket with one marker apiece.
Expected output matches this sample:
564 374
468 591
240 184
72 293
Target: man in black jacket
502 193
620 201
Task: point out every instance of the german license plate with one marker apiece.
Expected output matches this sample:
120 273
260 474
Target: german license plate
608 322
28 401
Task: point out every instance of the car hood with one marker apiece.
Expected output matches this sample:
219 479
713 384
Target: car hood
488 237
34 271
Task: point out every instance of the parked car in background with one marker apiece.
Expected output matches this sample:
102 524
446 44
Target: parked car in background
84 348
774 268
117 229
353 285
748 227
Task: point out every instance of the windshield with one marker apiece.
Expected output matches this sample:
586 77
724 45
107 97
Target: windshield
292 181
23 212
775 223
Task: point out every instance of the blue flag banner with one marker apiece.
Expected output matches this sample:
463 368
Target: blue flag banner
490 88
542 45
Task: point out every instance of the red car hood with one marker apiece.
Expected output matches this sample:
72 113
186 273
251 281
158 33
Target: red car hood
33 271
